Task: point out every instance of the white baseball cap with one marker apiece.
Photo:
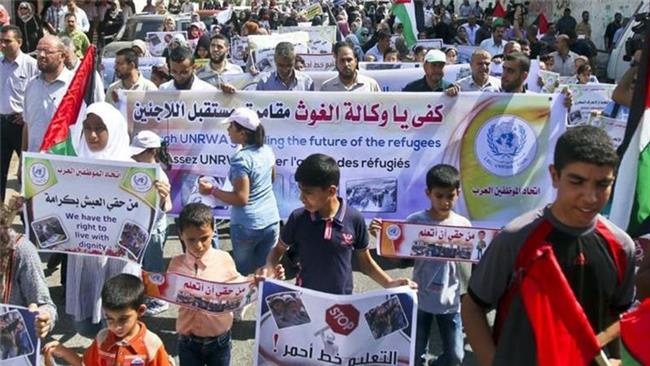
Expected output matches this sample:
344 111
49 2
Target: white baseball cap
245 117
144 140
435 56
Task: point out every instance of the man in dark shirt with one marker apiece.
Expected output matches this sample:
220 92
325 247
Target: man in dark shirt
596 258
432 81
611 29
567 23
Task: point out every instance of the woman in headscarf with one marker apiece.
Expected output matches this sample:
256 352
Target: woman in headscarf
357 47
202 47
103 136
169 24
29 25
22 281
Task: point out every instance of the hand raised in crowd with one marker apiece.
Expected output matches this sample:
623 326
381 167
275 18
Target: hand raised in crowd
568 98
163 189
375 226
43 321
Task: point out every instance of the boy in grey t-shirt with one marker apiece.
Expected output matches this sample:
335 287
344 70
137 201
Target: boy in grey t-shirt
595 256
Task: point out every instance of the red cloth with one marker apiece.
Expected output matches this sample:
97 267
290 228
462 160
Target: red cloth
499 11
635 327
542 23
68 111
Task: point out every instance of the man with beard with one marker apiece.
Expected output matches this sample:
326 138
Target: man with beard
46 90
128 75
434 71
285 77
182 70
348 78
480 80
218 65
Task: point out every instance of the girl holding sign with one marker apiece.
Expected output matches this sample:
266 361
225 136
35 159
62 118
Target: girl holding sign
254 216
104 136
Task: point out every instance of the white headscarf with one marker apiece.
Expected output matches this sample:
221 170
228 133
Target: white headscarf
117 147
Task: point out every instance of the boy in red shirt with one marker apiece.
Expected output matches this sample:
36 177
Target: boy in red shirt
126 341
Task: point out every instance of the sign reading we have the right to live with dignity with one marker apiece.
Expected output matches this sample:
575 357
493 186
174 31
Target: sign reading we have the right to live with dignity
435 242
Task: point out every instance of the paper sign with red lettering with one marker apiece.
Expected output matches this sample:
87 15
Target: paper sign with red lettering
298 326
434 242
199 294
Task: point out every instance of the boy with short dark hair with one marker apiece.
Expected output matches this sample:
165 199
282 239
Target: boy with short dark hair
204 339
126 339
326 232
595 257
439 282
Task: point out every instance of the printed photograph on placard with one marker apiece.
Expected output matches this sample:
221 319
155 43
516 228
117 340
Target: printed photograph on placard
134 239
16 344
372 195
386 318
49 232
190 190
287 309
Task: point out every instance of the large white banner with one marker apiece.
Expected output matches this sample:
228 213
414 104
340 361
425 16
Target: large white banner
87 206
297 326
383 142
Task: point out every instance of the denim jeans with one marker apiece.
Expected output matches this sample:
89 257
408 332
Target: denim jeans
152 261
451 333
250 246
210 351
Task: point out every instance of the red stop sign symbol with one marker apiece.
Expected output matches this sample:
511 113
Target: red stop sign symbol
343 319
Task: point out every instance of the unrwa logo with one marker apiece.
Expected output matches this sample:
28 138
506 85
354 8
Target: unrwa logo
141 182
506 145
39 174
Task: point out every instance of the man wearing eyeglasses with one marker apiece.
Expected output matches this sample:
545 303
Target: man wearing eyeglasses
45 91
16 68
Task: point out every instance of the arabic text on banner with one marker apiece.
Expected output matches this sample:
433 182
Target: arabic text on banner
199 294
586 99
19 344
384 143
435 242
86 206
297 326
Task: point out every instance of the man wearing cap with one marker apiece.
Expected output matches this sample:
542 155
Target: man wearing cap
182 70
348 78
480 80
285 77
432 81
129 78
495 44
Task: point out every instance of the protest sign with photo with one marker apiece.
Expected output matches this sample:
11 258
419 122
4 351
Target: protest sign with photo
19 344
199 294
313 10
384 143
615 128
238 50
550 81
157 42
435 242
586 99
88 206
263 47
321 38
297 326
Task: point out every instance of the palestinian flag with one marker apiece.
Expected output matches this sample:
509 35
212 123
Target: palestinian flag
542 24
633 213
57 139
404 10
634 336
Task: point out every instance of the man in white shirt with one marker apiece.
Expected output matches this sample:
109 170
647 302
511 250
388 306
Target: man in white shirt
126 70
348 78
495 44
383 42
46 90
564 58
218 65
80 16
480 80
471 27
181 63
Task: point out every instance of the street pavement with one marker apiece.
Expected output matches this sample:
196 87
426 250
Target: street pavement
163 325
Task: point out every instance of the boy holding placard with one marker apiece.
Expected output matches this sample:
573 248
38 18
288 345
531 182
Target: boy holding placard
327 232
126 340
439 284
